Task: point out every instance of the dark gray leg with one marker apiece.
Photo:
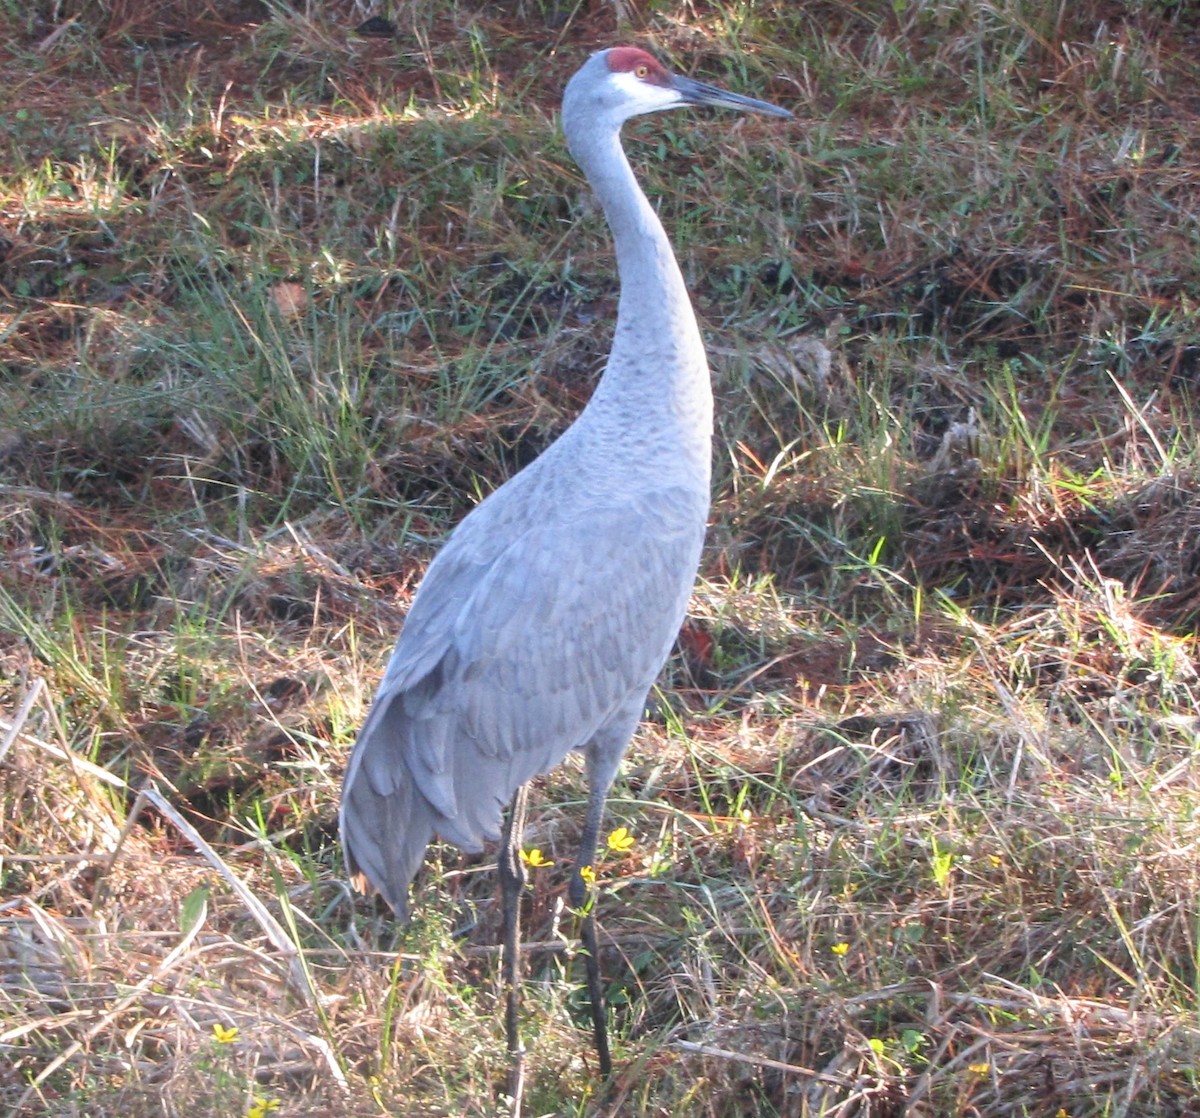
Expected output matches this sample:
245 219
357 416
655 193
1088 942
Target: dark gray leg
591 948
602 766
512 883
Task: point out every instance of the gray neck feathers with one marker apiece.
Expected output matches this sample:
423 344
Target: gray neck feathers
657 375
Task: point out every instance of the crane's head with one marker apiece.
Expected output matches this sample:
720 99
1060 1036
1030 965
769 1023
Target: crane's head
623 82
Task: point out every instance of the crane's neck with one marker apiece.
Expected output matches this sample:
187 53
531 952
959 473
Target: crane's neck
657 375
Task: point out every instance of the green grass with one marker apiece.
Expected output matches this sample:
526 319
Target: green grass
916 800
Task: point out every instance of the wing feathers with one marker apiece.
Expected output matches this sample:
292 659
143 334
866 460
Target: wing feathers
511 657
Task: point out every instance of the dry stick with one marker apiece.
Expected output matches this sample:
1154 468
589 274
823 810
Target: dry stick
80 766
14 729
255 1016
760 1062
298 975
22 716
114 1011
178 954
64 859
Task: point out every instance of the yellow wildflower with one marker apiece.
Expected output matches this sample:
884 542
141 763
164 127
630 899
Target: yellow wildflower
588 873
840 949
535 858
621 840
223 1034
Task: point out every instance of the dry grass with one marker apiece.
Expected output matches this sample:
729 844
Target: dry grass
916 804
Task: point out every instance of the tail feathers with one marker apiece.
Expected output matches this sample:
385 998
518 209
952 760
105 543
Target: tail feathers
384 838
387 820
394 802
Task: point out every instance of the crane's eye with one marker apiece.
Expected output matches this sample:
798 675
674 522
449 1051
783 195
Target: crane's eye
641 71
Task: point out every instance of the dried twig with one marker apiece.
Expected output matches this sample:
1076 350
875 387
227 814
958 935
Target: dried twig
760 1062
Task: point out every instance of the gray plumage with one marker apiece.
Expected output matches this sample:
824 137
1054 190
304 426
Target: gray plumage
543 621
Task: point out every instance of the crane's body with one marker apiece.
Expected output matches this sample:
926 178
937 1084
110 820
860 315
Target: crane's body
522 649
543 621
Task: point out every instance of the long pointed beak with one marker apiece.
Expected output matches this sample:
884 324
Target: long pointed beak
699 93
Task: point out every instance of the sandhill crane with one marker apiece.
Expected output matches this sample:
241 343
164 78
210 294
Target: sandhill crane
542 623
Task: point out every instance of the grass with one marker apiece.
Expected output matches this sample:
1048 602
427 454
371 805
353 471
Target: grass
915 805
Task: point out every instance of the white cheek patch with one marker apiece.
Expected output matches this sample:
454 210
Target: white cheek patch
643 96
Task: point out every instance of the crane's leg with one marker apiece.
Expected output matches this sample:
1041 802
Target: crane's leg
512 883
603 758
591 948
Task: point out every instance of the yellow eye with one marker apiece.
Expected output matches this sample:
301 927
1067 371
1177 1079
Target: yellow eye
641 71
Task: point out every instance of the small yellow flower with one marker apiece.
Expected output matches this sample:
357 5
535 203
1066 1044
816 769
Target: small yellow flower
224 1034
979 1069
621 841
840 949
535 858
588 873
262 1107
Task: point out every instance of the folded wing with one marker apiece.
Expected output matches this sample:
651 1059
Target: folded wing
520 645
